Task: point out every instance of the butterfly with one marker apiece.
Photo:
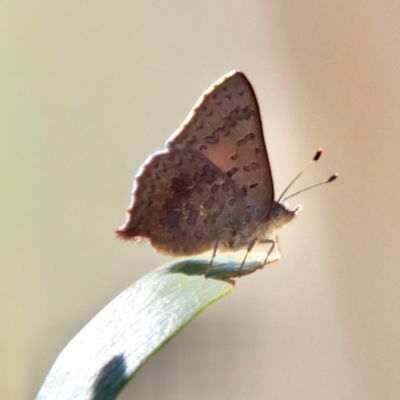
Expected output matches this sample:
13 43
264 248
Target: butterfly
211 187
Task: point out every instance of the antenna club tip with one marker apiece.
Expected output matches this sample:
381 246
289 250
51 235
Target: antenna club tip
317 155
332 178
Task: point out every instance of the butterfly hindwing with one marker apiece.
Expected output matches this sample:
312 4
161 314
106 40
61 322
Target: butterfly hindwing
183 204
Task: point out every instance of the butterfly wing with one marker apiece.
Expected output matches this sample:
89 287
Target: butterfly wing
225 126
183 204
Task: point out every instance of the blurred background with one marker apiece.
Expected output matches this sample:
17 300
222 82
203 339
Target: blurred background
90 89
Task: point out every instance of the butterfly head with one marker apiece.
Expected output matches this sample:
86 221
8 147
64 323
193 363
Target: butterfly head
280 214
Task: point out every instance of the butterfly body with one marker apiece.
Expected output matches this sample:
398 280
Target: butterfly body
212 186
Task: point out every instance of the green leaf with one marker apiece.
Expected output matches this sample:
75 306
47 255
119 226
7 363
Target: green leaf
114 345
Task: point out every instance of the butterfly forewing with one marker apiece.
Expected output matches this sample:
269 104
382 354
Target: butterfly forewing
225 126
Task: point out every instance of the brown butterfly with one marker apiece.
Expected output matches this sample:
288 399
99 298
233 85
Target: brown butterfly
212 185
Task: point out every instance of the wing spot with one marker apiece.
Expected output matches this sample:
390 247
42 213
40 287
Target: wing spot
207 112
229 123
213 138
216 99
244 190
181 185
253 185
249 112
209 174
237 114
251 167
232 171
218 211
234 156
209 203
209 220
215 188
192 217
249 137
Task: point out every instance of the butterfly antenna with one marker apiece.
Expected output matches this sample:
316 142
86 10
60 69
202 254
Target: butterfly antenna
315 158
330 179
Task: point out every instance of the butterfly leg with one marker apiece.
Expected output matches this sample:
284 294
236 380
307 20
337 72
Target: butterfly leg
274 246
249 248
212 259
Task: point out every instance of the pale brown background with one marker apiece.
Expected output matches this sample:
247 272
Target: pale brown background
89 89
